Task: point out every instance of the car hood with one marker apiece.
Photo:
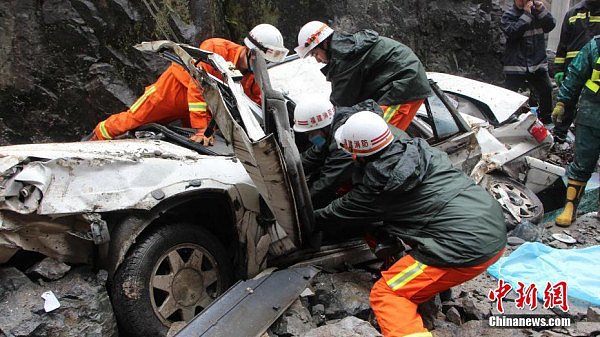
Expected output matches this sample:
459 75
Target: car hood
502 102
69 178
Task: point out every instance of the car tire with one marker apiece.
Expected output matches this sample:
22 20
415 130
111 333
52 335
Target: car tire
524 202
169 275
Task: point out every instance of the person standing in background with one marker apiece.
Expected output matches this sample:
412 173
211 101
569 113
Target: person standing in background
525 61
580 25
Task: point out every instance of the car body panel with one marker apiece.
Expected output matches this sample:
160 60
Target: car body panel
509 142
64 239
113 175
73 181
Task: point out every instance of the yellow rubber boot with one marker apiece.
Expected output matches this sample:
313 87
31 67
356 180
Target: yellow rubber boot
569 214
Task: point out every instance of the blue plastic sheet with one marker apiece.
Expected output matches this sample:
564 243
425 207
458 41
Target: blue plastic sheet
536 263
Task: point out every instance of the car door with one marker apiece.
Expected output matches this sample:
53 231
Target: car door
267 154
438 122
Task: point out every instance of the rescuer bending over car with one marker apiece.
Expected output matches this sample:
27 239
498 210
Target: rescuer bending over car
421 199
363 66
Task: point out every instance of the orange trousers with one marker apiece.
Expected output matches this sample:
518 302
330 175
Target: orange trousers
163 102
397 294
400 115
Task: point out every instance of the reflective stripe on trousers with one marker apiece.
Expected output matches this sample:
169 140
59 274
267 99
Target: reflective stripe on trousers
400 115
143 98
396 296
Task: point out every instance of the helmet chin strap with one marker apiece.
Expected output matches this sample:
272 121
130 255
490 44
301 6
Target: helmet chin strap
249 67
257 43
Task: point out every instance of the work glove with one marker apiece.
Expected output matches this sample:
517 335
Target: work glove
559 77
558 112
200 138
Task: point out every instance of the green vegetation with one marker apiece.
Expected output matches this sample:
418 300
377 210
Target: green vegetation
240 17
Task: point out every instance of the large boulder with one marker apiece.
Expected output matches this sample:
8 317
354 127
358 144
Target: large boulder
67 64
85 308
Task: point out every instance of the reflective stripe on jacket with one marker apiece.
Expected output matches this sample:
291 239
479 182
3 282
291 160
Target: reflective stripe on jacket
583 77
525 44
580 25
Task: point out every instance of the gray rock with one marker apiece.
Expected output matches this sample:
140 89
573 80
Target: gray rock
349 326
318 309
440 324
593 314
446 305
453 316
584 329
429 311
295 321
318 320
128 8
527 231
344 294
515 241
49 269
19 296
85 307
578 309
102 276
475 309
558 244
550 333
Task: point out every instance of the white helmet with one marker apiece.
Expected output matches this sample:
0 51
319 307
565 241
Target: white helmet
268 41
312 113
364 133
310 35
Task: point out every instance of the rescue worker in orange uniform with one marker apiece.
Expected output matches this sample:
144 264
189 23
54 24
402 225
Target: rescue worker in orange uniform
363 66
454 227
175 96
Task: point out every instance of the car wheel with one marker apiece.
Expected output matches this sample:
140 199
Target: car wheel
515 198
170 274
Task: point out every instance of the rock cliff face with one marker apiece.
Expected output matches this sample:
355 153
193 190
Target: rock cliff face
67 64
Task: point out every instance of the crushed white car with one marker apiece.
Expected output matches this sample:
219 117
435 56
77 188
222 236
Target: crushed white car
175 223
486 130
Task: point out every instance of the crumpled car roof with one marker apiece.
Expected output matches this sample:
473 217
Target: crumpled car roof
502 102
